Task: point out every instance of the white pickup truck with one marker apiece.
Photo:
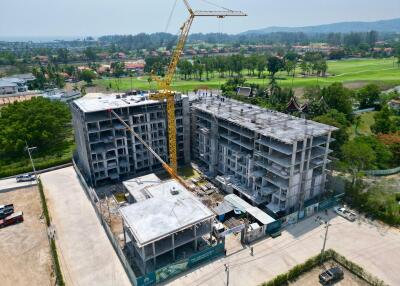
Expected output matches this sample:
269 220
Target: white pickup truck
347 214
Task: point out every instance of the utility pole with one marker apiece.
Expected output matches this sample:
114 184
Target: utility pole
326 225
227 273
29 149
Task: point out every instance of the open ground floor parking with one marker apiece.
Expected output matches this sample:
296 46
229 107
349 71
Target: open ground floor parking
86 255
372 245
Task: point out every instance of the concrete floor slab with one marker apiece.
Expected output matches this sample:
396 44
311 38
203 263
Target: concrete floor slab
87 256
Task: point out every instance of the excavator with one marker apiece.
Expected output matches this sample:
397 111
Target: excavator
165 92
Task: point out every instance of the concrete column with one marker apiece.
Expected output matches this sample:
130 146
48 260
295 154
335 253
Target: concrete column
195 237
301 182
154 255
173 246
325 159
210 230
294 149
144 259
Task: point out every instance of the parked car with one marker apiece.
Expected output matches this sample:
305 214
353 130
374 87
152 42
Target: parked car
331 275
6 210
25 178
347 214
12 219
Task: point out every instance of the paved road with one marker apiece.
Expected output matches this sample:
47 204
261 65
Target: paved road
10 184
87 256
374 247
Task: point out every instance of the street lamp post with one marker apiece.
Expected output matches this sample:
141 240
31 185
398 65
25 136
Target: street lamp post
29 149
326 225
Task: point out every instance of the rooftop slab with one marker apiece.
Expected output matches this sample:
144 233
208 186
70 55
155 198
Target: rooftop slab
280 126
137 186
164 213
93 102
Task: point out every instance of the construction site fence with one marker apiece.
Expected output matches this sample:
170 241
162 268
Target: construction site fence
360 111
308 211
94 199
386 172
180 266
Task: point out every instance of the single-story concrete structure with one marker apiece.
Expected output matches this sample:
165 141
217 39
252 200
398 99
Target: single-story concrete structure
168 223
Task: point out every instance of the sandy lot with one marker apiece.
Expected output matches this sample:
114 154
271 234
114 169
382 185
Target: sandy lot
24 248
311 278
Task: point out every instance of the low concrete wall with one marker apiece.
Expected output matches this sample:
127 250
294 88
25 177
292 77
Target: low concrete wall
43 171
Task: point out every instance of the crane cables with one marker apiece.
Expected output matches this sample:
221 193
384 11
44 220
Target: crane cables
216 5
170 16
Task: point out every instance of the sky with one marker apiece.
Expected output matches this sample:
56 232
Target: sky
66 18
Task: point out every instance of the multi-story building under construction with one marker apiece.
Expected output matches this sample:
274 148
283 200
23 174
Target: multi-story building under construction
267 157
106 151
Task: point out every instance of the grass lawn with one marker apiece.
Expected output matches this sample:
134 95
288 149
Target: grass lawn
355 71
364 128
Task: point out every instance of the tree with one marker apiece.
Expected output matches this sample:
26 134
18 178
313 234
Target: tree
304 68
62 55
118 68
261 64
372 38
90 54
40 78
185 68
274 65
393 142
368 95
88 76
357 156
339 120
39 122
338 97
382 152
384 123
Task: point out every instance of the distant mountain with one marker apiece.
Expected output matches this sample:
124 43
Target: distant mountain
342 27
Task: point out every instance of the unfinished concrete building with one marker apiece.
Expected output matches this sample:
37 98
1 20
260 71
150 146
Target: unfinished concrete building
167 224
107 151
267 157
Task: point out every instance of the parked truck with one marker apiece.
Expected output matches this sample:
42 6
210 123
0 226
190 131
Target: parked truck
6 210
12 219
331 275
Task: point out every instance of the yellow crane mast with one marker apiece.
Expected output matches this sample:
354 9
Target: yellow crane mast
164 85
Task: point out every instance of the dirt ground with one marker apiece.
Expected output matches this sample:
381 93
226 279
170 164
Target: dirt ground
24 248
311 278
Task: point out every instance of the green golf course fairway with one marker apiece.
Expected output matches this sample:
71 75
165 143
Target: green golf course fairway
354 72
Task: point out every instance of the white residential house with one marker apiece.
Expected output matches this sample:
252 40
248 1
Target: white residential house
7 87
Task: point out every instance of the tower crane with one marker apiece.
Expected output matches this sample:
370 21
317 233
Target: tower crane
164 85
166 93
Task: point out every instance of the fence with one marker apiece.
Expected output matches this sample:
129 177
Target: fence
178 267
294 273
360 111
382 172
90 192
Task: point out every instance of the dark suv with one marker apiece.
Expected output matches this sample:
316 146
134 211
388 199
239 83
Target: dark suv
331 275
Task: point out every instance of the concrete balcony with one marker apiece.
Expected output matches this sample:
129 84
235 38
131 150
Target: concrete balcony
277 181
280 147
